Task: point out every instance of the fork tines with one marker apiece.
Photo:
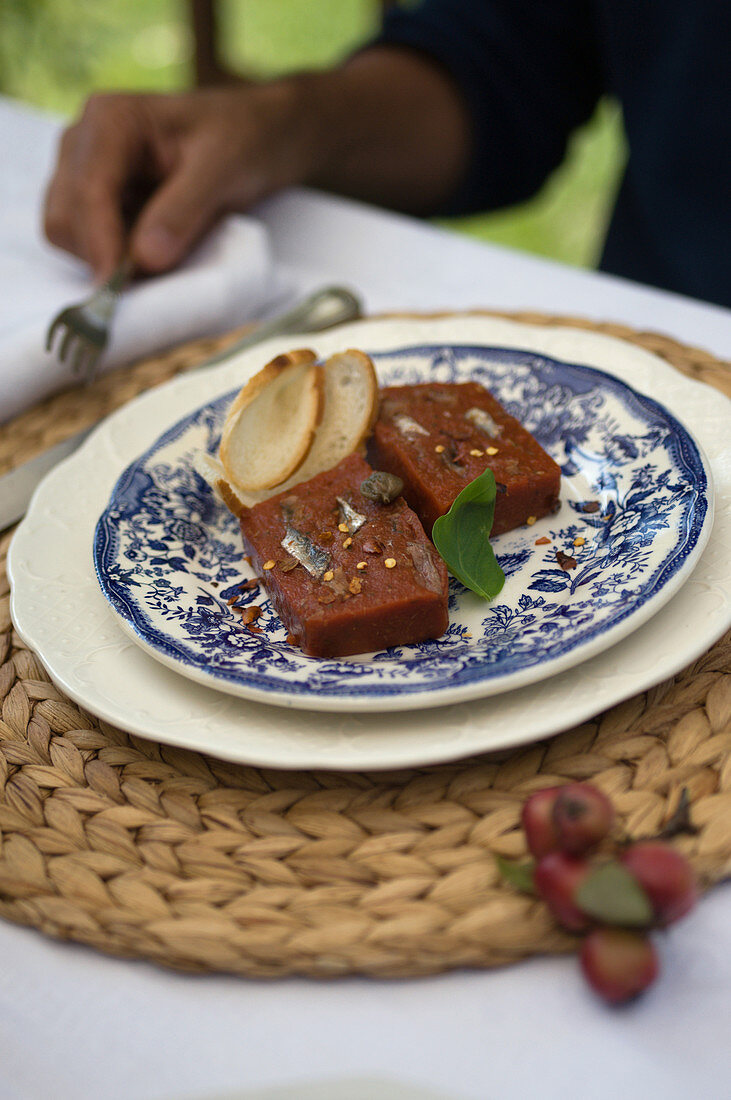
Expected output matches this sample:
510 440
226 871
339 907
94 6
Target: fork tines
81 344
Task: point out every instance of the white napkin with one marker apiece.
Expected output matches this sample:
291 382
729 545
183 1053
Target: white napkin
228 280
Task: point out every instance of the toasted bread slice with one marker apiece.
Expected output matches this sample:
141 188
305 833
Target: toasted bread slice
271 424
350 411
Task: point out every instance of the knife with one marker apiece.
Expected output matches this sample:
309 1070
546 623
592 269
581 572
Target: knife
322 310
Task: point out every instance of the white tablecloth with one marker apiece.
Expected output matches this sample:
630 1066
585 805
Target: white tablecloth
76 1024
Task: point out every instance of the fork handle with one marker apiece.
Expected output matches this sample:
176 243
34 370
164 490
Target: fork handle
120 276
322 310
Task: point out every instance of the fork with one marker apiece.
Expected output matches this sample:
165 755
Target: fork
87 325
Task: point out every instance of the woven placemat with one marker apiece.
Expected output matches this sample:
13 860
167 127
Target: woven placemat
153 852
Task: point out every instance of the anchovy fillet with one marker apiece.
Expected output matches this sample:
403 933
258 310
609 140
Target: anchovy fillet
424 566
408 426
483 422
307 553
353 520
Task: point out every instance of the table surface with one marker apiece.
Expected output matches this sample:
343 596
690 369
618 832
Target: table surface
74 1023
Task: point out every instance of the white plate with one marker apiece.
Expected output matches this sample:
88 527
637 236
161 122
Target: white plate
59 610
169 557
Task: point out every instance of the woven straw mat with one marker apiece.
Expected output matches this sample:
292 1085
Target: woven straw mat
153 852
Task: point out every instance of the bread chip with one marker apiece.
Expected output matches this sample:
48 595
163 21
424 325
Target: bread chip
271 424
351 409
349 413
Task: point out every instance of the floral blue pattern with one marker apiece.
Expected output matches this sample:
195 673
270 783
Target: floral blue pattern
635 501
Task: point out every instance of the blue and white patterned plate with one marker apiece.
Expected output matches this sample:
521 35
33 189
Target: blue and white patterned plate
636 512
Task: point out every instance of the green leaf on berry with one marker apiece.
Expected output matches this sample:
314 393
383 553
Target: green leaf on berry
612 895
517 874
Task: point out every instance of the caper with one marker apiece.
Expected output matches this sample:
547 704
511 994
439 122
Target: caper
382 487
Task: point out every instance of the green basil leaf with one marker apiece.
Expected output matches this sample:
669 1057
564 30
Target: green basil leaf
612 895
462 538
517 874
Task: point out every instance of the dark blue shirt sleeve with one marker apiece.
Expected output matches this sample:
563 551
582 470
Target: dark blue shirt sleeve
529 73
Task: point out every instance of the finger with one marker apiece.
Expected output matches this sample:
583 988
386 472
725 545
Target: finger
100 228
97 157
181 210
107 155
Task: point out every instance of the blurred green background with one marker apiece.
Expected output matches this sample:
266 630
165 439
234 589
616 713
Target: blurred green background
53 53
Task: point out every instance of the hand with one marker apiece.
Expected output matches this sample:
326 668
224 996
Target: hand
195 156
388 127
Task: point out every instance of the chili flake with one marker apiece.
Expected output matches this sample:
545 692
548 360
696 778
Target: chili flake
249 614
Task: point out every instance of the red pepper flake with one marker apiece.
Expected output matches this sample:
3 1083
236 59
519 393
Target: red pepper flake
542 541
254 629
247 586
291 640
565 560
249 614
590 506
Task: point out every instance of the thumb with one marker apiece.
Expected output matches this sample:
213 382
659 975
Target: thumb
178 214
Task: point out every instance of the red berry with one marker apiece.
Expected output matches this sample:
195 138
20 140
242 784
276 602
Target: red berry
618 963
537 822
556 878
666 877
582 817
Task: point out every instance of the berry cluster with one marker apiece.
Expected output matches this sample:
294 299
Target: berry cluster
615 897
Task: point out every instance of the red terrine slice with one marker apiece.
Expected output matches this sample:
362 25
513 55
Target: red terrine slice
439 436
346 574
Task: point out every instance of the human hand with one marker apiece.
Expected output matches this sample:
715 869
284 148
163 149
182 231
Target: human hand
194 156
388 127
